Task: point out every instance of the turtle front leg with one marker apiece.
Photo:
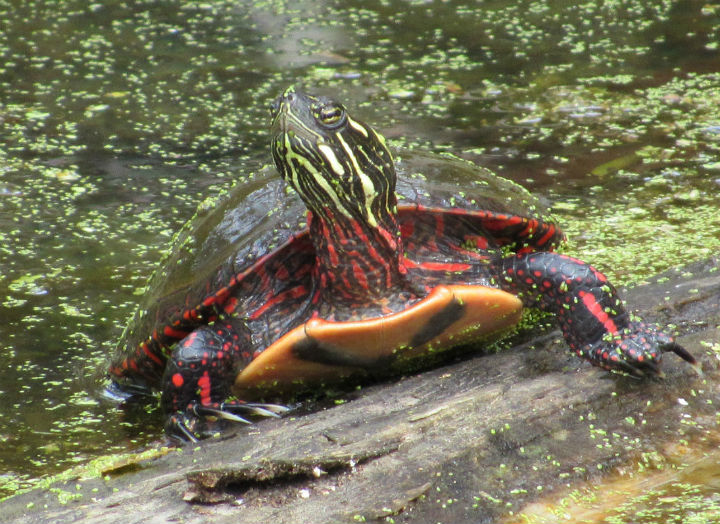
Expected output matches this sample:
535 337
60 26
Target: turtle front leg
197 381
592 316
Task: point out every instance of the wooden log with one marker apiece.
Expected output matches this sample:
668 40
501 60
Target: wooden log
472 441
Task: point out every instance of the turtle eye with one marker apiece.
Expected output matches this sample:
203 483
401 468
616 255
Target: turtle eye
330 115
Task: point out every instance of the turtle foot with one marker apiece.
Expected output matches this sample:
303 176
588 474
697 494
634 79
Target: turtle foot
196 422
637 350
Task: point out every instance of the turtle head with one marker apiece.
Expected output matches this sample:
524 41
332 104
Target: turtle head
337 164
344 173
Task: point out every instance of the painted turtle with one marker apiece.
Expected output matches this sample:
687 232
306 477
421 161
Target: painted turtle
260 296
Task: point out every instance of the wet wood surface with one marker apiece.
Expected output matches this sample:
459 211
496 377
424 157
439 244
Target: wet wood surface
471 441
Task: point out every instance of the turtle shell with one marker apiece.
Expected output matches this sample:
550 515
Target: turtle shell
241 229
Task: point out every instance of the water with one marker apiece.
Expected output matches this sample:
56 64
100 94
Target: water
117 118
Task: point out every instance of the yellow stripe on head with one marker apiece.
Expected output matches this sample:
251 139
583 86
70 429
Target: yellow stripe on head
357 126
366 182
329 155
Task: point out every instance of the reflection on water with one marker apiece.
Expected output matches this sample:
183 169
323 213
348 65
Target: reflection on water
684 489
117 119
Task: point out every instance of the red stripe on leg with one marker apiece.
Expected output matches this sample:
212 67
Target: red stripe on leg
596 310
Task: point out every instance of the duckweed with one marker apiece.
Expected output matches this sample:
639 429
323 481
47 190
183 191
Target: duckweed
118 118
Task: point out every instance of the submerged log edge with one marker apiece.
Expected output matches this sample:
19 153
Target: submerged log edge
470 441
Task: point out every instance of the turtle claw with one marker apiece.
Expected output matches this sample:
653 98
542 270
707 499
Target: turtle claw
178 426
634 368
229 409
685 355
232 407
220 413
266 410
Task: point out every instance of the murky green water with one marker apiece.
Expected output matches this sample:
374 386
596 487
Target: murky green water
117 118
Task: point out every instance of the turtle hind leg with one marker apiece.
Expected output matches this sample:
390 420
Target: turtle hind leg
197 382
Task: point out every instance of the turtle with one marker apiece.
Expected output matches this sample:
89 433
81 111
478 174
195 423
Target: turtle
339 268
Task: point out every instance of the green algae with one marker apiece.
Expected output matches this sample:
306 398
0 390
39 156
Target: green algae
102 467
674 493
118 119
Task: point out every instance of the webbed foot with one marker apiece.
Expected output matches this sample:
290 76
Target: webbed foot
194 423
636 350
